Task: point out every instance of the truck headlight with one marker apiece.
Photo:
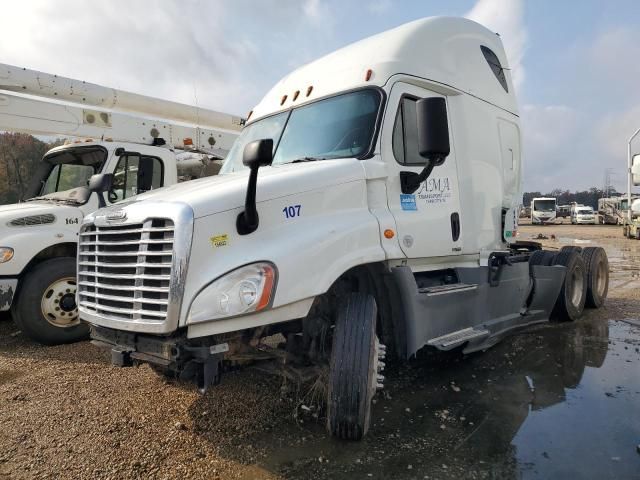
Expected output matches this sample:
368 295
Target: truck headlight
245 290
6 254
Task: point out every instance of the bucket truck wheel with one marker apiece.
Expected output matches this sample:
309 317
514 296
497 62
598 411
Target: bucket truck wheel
597 264
573 293
46 310
353 373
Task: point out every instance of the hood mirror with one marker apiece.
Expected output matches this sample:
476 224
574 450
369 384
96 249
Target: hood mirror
255 155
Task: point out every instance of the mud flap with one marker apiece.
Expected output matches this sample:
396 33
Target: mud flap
7 291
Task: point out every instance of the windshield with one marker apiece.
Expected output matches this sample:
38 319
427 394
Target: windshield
544 205
69 169
585 211
336 127
72 168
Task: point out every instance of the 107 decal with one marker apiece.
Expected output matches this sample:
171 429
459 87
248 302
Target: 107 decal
292 211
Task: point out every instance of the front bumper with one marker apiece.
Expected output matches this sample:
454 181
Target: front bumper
175 355
586 221
8 288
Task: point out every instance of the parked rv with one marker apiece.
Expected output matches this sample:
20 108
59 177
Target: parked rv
583 215
543 210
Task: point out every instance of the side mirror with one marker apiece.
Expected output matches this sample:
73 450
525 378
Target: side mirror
255 155
100 183
145 174
433 140
433 129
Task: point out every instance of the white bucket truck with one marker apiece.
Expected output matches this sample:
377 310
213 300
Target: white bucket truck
128 135
368 208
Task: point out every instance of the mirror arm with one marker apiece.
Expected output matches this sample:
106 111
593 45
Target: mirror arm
101 201
247 221
410 181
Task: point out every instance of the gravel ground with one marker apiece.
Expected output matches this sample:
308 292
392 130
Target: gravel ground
66 412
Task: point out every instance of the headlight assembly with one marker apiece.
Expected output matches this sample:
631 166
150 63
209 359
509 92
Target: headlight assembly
245 290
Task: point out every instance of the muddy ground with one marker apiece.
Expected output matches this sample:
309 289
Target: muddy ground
554 401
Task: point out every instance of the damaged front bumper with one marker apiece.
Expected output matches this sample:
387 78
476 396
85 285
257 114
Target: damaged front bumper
175 355
7 292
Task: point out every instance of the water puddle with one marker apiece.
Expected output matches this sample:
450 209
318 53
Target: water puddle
557 401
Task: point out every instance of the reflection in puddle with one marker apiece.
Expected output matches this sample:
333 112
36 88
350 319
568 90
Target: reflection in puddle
580 419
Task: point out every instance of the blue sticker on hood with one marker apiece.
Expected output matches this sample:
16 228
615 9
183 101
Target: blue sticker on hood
408 201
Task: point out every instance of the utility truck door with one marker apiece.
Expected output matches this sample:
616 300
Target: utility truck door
428 220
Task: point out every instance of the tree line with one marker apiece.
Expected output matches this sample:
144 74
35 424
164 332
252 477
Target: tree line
20 155
565 197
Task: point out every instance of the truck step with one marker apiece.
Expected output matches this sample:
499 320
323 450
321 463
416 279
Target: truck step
446 289
456 338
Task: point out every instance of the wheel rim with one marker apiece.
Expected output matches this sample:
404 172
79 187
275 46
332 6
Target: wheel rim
601 274
577 283
59 303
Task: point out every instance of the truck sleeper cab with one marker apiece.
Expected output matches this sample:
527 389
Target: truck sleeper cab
367 210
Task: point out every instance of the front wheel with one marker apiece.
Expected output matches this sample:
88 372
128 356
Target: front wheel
46 309
353 373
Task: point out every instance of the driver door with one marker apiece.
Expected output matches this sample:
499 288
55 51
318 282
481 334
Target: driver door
428 220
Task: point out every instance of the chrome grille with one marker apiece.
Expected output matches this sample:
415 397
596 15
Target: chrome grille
124 271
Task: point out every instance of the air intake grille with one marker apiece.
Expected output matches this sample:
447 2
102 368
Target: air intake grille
124 271
33 220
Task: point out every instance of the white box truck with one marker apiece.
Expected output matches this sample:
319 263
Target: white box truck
131 136
367 209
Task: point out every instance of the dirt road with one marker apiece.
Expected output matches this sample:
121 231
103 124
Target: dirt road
554 401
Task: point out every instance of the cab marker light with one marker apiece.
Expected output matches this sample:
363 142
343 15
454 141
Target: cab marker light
368 75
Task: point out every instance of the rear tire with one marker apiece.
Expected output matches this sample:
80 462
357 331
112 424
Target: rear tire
597 265
573 293
46 309
542 257
353 370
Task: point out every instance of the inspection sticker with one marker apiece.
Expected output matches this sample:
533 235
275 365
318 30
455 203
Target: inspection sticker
219 240
408 201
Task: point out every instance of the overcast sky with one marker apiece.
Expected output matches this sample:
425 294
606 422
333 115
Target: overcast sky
575 64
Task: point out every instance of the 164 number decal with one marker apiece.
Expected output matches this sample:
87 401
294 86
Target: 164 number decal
292 211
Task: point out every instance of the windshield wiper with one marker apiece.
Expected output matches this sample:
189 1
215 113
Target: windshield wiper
307 159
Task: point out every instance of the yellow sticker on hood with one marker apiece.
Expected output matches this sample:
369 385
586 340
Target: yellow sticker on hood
219 240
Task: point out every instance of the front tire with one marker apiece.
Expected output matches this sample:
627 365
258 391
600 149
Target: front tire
46 309
353 369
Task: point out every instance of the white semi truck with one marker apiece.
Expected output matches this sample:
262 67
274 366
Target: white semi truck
131 136
367 209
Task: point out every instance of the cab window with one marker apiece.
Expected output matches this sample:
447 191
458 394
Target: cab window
405 134
136 174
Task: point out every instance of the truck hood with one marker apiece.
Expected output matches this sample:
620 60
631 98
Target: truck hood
29 211
212 195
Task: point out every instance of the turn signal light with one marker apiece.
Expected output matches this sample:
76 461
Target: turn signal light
6 254
388 233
